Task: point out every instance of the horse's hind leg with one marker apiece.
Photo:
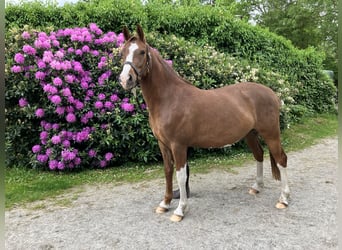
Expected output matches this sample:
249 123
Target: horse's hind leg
279 171
256 148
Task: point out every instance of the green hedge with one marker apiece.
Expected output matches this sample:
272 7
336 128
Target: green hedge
206 45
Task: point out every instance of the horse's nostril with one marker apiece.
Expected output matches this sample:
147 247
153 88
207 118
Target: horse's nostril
129 77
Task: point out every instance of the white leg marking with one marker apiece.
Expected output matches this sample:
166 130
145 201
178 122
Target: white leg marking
126 68
181 178
285 190
258 185
163 205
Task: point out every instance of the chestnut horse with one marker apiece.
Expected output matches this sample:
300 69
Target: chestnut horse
182 116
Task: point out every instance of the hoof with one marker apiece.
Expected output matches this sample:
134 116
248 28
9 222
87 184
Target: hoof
161 210
253 191
281 205
176 218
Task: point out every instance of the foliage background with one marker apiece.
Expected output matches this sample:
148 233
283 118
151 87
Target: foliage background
207 44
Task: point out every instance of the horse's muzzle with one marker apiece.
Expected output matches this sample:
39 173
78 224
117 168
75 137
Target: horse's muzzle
128 82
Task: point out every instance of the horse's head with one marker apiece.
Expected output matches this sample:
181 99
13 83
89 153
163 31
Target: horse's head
136 59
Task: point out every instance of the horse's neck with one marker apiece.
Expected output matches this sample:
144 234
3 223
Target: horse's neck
160 84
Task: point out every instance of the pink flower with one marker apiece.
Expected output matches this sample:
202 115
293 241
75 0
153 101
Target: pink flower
29 49
57 81
98 105
92 153
71 118
16 69
23 102
60 110
114 98
103 163
108 156
42 158
56 99
66 92
40 75
36 148
43 135
69 78
41 64
55 139
101 96
53 164
19 58
50 89
40 113
128 107
25 35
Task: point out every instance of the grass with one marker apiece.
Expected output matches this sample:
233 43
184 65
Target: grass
27 185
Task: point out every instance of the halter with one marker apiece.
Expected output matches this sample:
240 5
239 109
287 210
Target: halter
146 69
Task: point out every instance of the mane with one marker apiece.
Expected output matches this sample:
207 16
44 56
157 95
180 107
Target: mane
167 67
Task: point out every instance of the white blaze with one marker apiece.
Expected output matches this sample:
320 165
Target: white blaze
126 68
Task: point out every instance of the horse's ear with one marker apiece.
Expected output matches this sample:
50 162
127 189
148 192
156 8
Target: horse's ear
126 33
140 33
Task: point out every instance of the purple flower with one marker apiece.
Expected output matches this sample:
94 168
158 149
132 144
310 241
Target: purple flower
60 165
41 64
47 126
95 53
47 56
25 35
128 107
169 62
82 136
103 163
66 92
92 153
77 161
42 158
23 102
78 105
44 135
108 156
19 58
50 89
70 117
36 148
16 69
57 81
108 105
98 105
114 98
56 99
55 126
60 110
59 54
89 114
53 164
66 143
68 155
29 49
84 85
101 96
40 75
120 39
40 113
69 78
56 139
85 48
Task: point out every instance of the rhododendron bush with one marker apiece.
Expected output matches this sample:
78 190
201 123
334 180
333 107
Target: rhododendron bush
69 103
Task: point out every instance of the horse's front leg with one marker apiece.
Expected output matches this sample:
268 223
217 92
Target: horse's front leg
179 154
164 205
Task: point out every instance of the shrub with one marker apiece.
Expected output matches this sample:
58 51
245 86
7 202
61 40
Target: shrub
63 102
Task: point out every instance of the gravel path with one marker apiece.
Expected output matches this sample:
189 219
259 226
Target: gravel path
222 214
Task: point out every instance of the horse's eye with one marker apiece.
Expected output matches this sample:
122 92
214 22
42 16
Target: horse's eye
142 52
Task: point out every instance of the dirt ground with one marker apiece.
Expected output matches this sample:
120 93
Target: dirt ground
222 214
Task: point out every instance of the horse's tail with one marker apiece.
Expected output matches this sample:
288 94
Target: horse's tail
275 169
